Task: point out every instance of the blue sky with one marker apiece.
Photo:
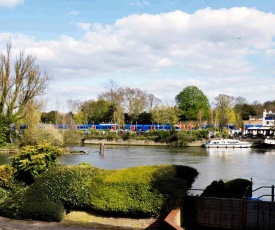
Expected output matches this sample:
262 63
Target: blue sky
220 46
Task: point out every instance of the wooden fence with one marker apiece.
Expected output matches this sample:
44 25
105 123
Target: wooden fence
224 213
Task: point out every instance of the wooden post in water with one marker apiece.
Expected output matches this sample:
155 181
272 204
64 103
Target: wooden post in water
101 148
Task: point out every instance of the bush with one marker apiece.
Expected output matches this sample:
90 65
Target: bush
34 160
51 135
73 136
237 187
216 189
19 207
44 211
232 189
69 185
3 194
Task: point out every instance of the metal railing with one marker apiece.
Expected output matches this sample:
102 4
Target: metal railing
270 195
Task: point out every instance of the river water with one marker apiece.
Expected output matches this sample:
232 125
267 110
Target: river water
212 164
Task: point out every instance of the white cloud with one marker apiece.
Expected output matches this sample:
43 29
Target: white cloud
73 13
10 3
219 51
84 26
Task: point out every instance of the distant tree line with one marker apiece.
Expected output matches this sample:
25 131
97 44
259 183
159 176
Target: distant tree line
131 105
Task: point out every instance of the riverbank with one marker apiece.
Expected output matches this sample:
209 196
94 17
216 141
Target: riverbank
136 142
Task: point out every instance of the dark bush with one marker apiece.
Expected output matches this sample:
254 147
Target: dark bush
16 207
44 211
216 189
232 189
237 187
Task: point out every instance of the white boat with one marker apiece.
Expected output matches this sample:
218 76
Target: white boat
227 143
268 143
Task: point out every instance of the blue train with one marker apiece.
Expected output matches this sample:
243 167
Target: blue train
136 127
103 126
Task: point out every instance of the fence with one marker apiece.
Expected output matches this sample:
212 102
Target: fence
225 213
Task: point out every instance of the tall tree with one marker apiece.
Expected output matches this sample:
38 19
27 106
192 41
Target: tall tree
19 86
165 115
32 120
224 110
258 108
152 101
192 101
134 101
96 111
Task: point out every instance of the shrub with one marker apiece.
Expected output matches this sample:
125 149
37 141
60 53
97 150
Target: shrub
51 135
18 206
237 187
73 136
216 189
3 194
232 189
43 210
34 160
69 185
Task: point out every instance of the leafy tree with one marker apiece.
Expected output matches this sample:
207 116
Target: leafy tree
79 118
3 130
50 117
224 110
244 110
144 118
95 111
34 160
32 120
192 101
269 105
165 115
258 108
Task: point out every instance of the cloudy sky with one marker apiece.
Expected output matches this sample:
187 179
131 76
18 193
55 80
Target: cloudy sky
220 46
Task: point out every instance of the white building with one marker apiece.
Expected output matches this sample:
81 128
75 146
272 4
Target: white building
267 127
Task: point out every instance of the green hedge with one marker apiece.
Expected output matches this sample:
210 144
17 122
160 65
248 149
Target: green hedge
138 191
18 207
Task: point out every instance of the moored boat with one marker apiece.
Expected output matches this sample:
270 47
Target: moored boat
227 143
267 143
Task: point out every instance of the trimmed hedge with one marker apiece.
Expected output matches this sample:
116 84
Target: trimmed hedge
139 191
18 207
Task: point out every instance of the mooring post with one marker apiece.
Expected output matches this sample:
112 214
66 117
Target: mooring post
101 148
272 193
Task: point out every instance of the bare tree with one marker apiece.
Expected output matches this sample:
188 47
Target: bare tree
19 86
134 101
153 101
74 105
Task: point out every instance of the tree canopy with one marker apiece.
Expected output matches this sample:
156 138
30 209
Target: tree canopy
192 102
